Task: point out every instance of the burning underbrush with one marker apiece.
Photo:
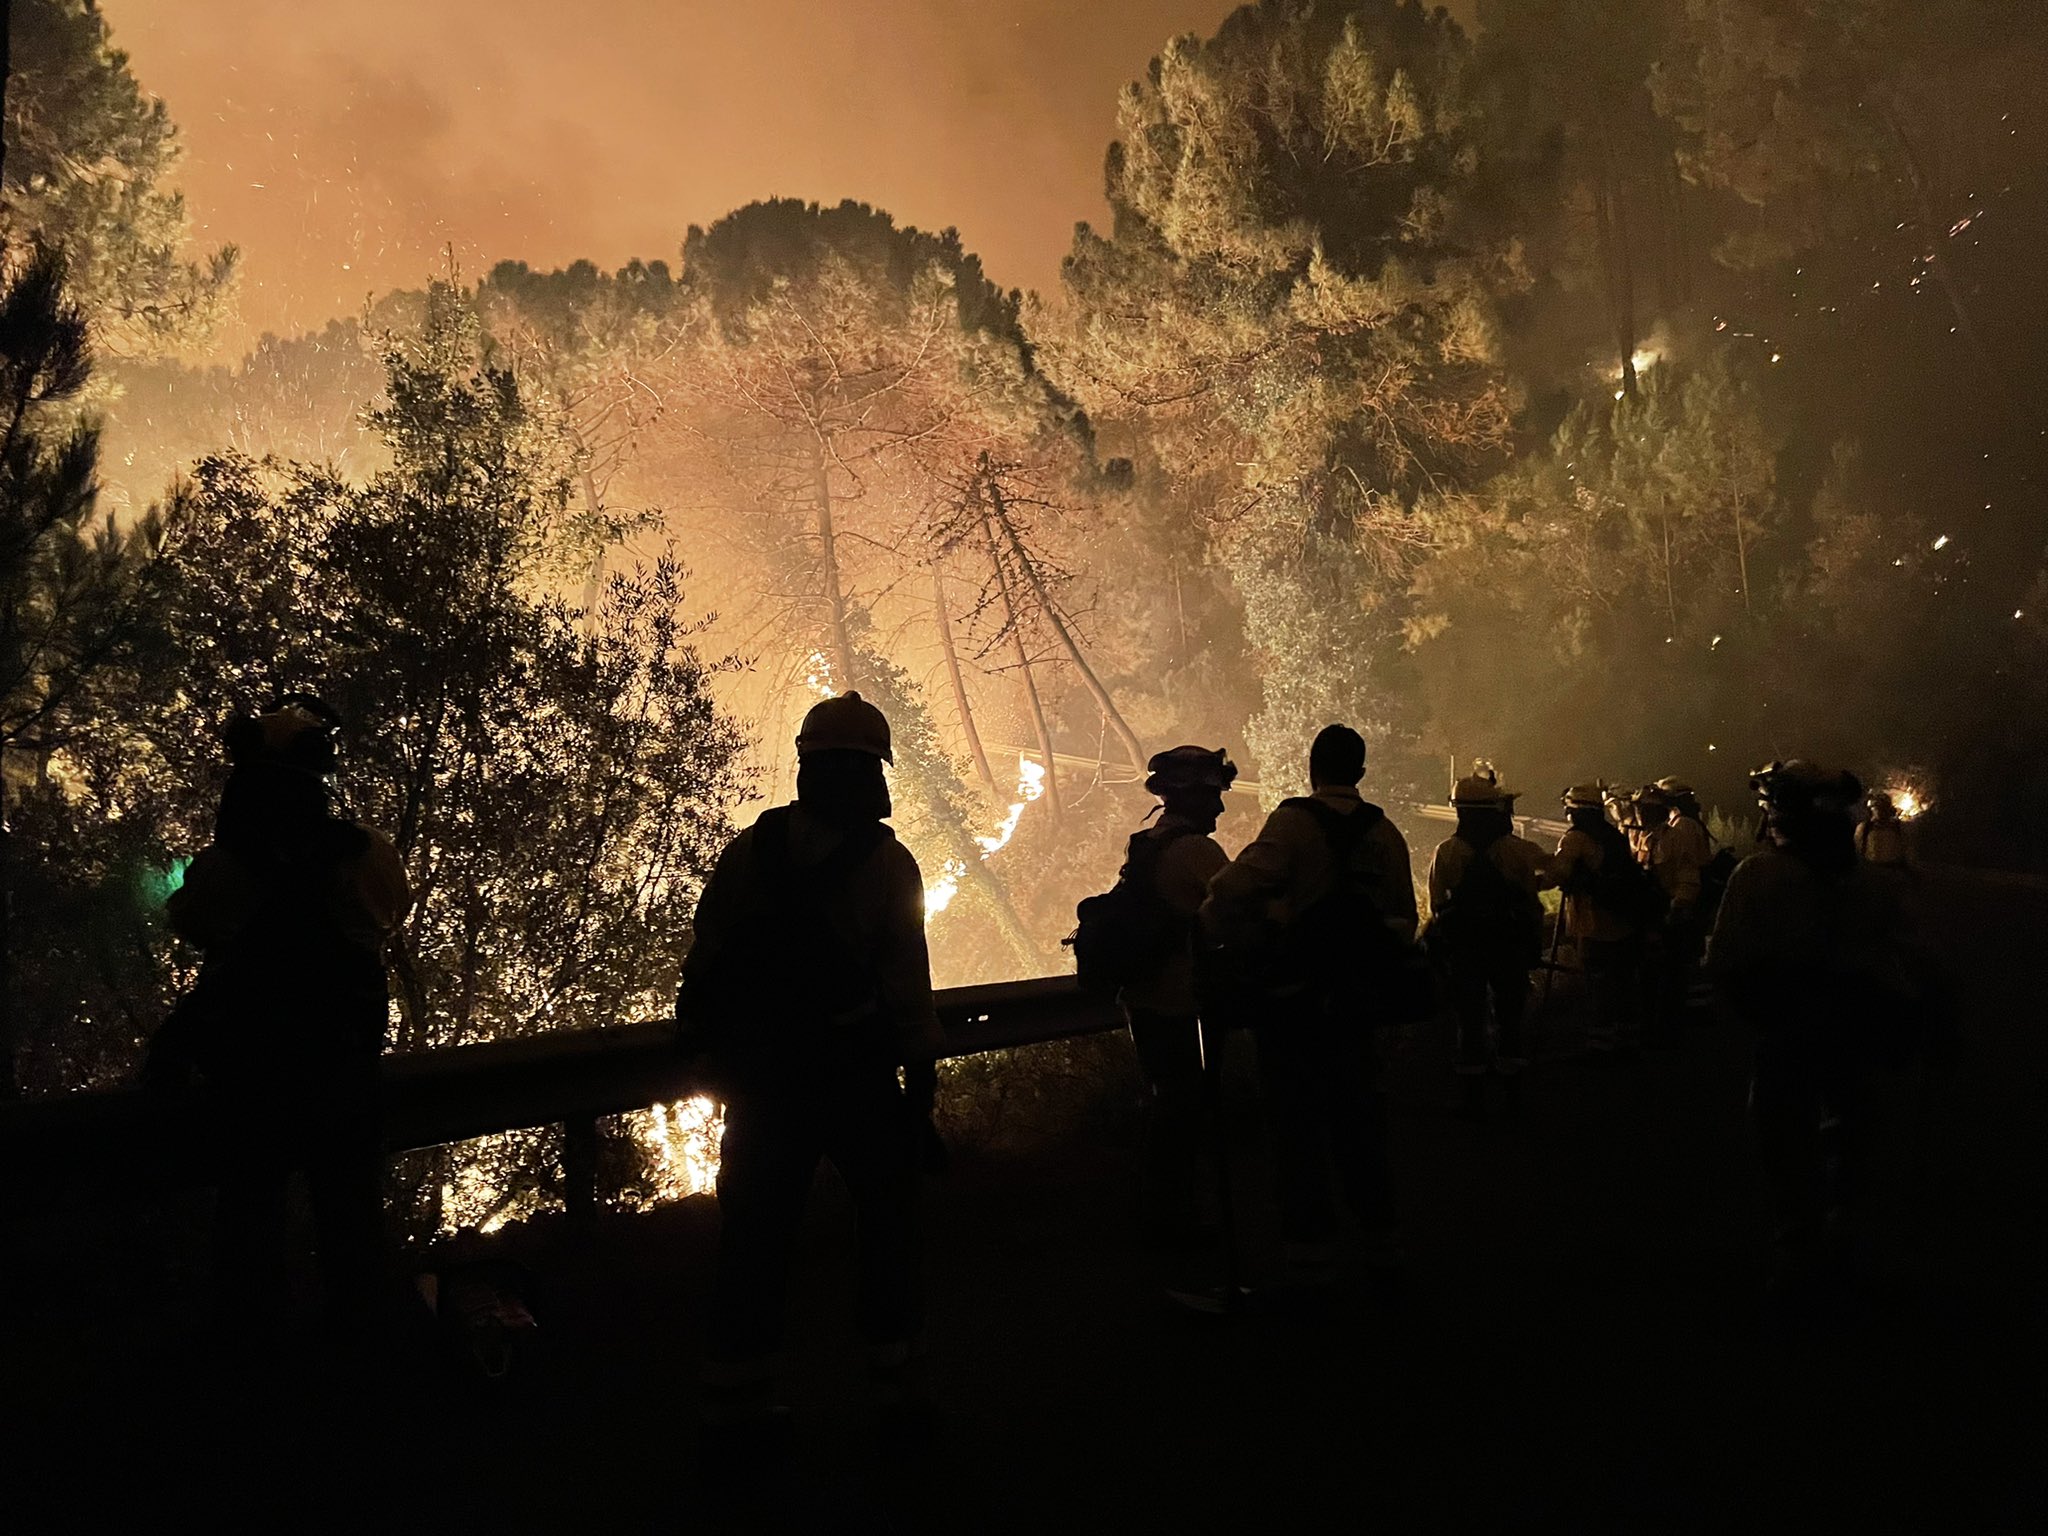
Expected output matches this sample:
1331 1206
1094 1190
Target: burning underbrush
1004 1101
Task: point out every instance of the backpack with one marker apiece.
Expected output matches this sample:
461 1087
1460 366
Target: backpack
1342 947
787 995
1488 917
1622 886
1123 935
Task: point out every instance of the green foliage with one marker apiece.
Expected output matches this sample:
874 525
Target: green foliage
1612 587
558 796
1291 288
88 160
68 577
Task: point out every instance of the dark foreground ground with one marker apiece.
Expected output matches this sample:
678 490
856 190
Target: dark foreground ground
1584 1345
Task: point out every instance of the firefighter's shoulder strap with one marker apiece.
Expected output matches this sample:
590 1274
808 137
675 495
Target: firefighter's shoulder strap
1344 832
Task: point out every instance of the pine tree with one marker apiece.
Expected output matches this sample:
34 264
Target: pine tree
88 161
1291 288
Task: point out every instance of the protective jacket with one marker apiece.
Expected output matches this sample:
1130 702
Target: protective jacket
1180 879
1574 867
1289 868
1801 952
293 935
1679 855
874 910
1883 843
1525 869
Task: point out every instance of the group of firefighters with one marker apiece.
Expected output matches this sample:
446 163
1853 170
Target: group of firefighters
1309 939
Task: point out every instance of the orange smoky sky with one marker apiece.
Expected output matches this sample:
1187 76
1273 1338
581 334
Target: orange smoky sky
345 146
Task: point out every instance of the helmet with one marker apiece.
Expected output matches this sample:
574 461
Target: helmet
1676 789
1652 797
848 723
1590 796
1185 769
1799 785
1481 788
1881 803
298 730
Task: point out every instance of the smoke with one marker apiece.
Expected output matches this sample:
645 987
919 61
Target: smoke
347 148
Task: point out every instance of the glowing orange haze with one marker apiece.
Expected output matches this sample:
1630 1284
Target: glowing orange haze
344 145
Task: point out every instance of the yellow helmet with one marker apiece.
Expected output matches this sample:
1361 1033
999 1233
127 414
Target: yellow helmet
1591 795
1676 788
848 723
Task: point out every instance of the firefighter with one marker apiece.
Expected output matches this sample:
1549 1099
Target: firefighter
1649 814
806 991
1176 857
1681 850
1321 907
292 906
1812 950
1881 839
1603 913
1486 932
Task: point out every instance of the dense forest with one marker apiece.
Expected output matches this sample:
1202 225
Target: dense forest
1604 390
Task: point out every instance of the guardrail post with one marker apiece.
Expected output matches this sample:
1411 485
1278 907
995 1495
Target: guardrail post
579 1173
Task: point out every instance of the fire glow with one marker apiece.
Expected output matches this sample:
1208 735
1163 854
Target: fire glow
1030 785
1908 801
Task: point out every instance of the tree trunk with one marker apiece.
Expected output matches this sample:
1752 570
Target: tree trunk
6 69
593 581
1610 227
1679 235
960 702
1742 552
10 1020
1038 723
1670 591
828 561
1067 641
10 1028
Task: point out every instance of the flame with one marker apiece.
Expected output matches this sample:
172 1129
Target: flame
681 1143
1030 785
939 894
818 676
1908 801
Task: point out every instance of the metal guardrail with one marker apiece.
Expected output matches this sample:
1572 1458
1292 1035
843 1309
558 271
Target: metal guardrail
95 1147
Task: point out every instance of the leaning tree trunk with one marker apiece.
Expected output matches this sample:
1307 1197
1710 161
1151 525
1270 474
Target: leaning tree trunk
960 701
1068 643
828 562
1016 629
1742 552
